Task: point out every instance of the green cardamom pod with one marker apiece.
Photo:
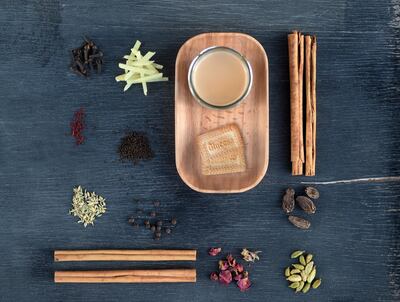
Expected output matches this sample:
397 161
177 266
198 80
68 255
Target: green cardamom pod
296 254
287 272
294 278
309 267
295 271
298 266
303 276
300 287
311 276
294 285
302 260
306 288
309 258
316 283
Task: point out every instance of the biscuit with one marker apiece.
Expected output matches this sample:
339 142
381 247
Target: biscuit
222 151
229 163
219 142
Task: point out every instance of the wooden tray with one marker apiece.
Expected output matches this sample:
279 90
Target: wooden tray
192 119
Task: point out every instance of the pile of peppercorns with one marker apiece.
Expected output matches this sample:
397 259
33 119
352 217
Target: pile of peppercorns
153 221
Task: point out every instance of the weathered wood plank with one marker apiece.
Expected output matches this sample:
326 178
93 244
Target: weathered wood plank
355 232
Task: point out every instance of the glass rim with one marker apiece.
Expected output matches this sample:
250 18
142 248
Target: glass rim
196 60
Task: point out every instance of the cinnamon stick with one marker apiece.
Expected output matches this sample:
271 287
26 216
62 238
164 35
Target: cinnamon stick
296 60
126 276
311 104
125 255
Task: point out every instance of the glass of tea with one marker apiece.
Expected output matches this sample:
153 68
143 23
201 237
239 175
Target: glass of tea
220 77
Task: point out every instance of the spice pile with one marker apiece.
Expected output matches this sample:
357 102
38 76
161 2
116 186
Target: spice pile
302 275
87 206
153 221
86 58
304 202
78 125
135 147
230 270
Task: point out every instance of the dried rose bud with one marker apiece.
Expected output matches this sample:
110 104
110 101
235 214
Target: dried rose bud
244 284
239 268
231 260
225 277
214 276
223 265
238 277
214 251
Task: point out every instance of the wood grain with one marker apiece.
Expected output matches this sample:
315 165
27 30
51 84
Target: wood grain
357 222
192 119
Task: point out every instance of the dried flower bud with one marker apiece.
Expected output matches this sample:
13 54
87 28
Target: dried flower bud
250 256
244 284
225 277
214 251
214 276
223 265
231 261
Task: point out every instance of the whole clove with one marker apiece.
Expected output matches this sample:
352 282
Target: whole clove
86 58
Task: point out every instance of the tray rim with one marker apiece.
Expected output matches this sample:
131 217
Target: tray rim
266 163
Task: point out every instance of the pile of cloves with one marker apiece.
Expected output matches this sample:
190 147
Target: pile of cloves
153 221
304 202
86 58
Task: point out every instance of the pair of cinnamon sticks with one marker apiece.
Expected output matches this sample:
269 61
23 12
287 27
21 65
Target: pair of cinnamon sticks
126 276
297 43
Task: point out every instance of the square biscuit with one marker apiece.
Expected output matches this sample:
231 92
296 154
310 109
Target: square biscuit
219 142
222 151
229 163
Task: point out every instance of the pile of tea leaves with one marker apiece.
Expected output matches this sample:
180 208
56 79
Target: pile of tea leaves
134 147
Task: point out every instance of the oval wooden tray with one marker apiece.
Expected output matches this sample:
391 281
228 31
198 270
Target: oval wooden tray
192 119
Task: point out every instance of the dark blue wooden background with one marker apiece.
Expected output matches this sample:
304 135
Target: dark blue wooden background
355 232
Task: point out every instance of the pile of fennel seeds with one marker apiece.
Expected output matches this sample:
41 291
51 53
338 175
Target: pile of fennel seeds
87 206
